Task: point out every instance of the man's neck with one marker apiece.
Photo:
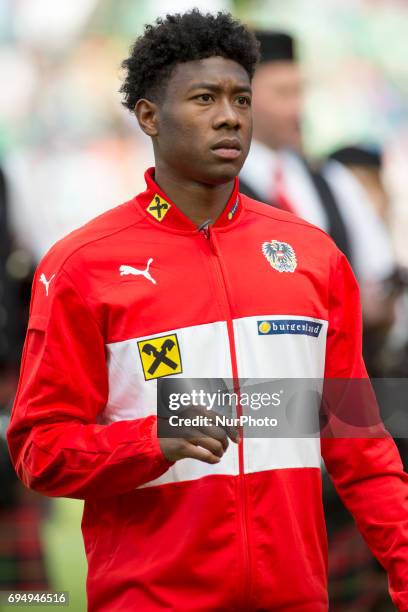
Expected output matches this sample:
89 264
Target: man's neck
198 201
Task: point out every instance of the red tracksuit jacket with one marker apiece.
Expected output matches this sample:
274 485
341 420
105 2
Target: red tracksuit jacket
249 532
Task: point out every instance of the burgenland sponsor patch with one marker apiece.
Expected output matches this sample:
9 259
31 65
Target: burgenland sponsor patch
301 327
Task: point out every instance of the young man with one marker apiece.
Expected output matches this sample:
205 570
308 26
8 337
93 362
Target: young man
162 286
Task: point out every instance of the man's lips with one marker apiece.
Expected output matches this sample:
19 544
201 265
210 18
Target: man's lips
229 148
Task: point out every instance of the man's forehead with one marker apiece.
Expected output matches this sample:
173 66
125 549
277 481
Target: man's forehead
216 70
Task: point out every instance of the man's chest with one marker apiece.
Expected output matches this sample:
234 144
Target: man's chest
153 286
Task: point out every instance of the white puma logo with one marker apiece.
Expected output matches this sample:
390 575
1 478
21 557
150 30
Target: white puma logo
124 270
45 282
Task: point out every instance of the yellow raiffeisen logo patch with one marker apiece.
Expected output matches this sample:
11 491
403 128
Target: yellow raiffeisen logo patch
160 356
158 207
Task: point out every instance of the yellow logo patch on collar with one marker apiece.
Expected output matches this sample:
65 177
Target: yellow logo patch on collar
158 207
160 356
233 210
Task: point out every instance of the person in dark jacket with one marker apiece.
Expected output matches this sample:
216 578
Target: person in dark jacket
22 560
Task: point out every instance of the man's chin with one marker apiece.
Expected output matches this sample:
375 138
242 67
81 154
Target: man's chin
222 172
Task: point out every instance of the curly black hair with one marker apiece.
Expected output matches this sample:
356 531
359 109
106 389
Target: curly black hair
182 38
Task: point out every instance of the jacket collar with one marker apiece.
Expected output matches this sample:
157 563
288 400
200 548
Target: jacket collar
158 207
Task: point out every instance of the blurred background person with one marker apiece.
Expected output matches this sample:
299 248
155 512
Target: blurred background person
22 562
276 170
356 176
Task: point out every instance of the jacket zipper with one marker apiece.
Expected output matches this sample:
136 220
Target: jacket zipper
209 235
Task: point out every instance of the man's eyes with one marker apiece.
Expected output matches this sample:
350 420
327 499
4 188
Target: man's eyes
206 97
244 100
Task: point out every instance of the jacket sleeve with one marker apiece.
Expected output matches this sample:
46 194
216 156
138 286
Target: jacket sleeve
56 444
367 473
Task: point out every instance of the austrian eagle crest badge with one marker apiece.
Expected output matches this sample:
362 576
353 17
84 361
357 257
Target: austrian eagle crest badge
280 255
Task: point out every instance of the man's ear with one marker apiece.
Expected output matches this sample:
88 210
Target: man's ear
146 114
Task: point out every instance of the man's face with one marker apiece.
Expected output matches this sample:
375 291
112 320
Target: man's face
277 105
204 122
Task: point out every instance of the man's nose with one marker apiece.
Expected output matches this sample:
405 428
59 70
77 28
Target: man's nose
227 116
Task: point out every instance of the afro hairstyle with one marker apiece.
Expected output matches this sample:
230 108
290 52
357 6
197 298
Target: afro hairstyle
183 38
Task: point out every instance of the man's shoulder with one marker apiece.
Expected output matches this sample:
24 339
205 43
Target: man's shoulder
90 236
297 224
